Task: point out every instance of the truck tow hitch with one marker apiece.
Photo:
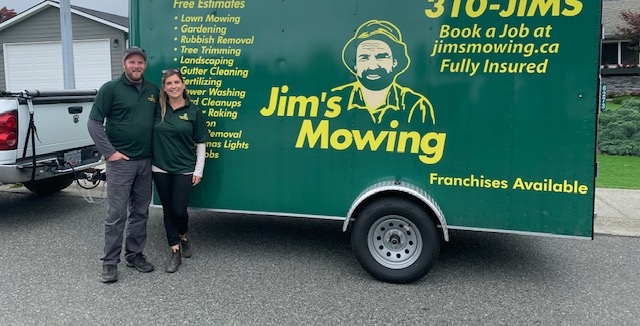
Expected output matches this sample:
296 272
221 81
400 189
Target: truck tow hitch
93 178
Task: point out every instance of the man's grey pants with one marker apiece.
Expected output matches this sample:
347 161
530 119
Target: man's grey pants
128 188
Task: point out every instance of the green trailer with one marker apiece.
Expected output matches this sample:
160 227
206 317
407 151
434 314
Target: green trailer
403 119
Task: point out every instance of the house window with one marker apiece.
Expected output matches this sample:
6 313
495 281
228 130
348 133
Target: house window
628 57
609 54
618 54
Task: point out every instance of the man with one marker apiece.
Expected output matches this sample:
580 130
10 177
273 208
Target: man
376 55
128 105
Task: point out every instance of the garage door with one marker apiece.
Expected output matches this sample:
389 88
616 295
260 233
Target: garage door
39 65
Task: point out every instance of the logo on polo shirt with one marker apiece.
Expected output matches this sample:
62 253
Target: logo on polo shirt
152 99
185 116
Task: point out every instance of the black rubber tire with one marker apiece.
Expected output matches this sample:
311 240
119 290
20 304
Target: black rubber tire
49 186
378 235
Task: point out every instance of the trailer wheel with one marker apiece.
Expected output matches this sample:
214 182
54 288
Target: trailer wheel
49 186
395 240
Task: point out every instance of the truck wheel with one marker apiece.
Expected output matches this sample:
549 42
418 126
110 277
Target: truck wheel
395 240
49 186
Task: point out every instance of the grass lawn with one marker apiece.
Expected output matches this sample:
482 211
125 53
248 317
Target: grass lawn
610 106
614 104
621 172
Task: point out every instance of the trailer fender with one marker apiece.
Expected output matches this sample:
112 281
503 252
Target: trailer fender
402 187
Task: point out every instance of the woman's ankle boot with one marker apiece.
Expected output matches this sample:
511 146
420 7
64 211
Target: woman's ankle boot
174 262
186 247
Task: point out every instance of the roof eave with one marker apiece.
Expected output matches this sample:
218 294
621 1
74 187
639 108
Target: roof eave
46 4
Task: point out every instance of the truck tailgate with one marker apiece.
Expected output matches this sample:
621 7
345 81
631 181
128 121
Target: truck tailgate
60 122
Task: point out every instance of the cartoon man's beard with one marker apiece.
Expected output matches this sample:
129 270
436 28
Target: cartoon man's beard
385 79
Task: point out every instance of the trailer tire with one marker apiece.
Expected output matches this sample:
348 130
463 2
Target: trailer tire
49 186
395 240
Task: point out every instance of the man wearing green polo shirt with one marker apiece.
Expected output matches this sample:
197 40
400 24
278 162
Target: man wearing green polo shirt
127 104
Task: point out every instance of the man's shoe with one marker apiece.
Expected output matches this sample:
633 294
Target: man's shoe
109 273
185 247
140 263
174 262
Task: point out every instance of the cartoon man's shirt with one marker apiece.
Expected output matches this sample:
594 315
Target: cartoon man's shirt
400 101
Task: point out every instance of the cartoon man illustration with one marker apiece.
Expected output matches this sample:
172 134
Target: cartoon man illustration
376 55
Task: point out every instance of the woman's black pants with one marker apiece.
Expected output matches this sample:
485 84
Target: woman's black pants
174 191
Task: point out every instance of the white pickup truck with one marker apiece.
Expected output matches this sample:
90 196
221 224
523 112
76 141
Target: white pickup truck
44 142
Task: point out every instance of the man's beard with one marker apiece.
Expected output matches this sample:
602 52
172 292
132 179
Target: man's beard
131 78
385 79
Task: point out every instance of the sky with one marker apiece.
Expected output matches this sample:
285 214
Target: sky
117 7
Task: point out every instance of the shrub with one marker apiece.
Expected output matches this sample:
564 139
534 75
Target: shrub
619 131
620 99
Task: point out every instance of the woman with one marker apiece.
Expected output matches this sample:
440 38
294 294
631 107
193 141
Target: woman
179 136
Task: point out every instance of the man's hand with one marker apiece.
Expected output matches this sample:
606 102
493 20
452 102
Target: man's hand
195 179
117 156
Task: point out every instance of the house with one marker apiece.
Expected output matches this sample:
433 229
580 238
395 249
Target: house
619 64
31 53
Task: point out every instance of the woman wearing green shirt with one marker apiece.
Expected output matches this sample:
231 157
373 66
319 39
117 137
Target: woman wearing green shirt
179 137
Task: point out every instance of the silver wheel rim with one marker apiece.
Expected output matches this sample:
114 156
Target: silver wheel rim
394 242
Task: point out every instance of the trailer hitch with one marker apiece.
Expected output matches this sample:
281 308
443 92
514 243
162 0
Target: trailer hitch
93 178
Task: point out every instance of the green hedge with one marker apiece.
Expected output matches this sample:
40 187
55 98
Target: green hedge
619 130
620 99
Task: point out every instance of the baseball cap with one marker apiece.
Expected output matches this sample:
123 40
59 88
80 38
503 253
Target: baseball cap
134 50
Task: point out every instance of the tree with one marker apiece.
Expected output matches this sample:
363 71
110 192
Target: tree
6 13
631 31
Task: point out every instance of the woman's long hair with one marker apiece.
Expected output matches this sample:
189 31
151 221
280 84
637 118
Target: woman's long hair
163 96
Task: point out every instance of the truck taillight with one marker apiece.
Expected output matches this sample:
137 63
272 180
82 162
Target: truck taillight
9 130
